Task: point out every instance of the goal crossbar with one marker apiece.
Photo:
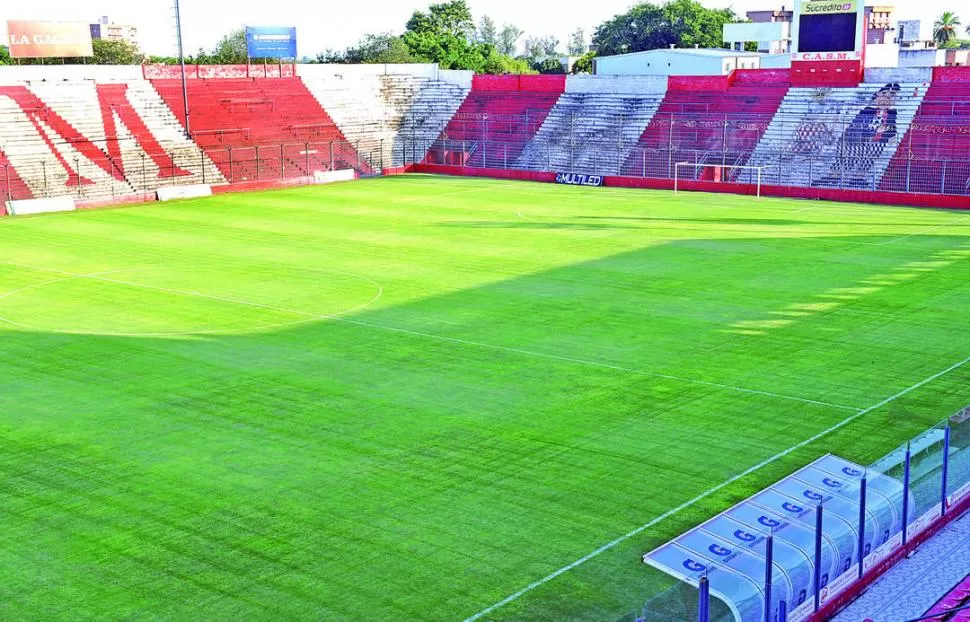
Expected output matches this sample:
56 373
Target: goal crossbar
738 167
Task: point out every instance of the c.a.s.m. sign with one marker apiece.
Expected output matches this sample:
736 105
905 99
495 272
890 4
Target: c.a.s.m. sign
579 179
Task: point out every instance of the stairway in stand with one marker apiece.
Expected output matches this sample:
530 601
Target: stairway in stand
262 128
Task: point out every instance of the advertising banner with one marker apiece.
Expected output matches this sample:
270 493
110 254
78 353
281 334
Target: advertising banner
30 39
578 179
270 42
821 7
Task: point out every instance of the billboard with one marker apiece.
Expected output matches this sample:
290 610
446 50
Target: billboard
30 39
821 7
270 42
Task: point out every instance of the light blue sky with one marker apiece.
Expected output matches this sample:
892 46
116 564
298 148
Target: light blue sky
338 23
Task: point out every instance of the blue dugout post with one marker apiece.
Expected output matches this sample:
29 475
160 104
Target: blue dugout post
704 601
906 483
862 523
782 611
769 572
818 556
946 469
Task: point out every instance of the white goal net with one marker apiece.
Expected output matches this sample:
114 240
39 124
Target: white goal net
720 173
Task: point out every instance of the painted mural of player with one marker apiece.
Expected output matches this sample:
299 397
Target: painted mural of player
864 140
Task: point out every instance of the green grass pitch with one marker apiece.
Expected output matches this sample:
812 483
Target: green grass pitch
413 397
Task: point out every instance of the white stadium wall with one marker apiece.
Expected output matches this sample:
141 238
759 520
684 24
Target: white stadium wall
425 70
616 84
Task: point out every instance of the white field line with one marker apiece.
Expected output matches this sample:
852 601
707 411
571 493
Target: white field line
609 545
308 316
339 317
567 359
921 231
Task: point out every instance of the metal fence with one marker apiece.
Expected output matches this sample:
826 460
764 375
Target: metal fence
135 172
821 151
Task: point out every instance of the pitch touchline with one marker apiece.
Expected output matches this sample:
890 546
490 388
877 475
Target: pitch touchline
683 506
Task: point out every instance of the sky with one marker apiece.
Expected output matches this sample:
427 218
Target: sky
335 24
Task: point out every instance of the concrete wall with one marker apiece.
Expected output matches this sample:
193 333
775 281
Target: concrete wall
662 63
776 61
313 72
457 77
622 85
921 58
882 55
912 75
10 74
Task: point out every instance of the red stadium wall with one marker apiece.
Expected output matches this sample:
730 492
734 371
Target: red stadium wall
824 194
951 74
845 73
511 84
699 83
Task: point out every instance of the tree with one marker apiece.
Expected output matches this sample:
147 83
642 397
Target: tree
231 49
503 64
945 27
647 26
539 48
446 19
5 55
508 40
577 43
115 53
548 65
444 34
584 64
487 31
383 48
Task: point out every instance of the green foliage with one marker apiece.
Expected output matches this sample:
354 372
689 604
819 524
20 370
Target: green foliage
452 19
163 60
502 64
444 34
538 48
487 31
382 48
647 26
231 49
577 43
584 64
508 39
945 27
548 65
115 53
5 55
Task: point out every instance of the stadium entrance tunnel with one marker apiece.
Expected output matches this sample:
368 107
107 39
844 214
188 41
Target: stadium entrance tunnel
782 552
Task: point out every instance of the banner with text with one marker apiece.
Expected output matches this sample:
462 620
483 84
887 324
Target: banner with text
30 39
270 42
579 179
822 7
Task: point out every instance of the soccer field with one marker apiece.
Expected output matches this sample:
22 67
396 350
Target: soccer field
419 398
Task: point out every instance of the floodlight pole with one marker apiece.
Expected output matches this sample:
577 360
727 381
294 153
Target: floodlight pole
185 88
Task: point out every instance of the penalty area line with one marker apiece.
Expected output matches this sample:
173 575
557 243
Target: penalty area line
707 493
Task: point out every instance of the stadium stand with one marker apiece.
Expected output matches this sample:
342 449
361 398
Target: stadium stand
497 119
589 133
123 134
937 144
95 141
820 136
708 121
233 119
931 582
389 119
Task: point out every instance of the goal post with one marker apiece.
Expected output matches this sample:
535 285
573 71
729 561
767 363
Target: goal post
718 172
